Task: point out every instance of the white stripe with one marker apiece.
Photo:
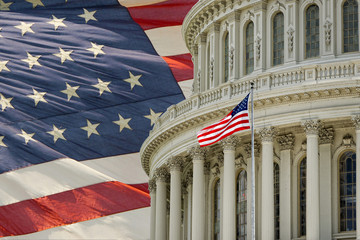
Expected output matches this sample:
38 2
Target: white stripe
167 41
186 87
124 168
131 225
46 179
136 3
224 133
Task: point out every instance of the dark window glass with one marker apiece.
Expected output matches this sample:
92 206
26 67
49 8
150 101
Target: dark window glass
277 200
302 197
278 39
312 45
217 210
347 185
351 29
249 58
241 208
226 58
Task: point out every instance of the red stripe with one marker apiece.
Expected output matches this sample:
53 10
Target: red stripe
164 14
69 207
226 135
181 66
141 186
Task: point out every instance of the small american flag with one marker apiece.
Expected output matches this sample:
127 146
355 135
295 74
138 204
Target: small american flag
236 120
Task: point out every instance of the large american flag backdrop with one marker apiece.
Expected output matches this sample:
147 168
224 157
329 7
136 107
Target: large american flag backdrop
81 83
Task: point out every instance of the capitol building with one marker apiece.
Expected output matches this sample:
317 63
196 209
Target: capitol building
303 58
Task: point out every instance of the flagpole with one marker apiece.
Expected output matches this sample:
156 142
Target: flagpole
252 166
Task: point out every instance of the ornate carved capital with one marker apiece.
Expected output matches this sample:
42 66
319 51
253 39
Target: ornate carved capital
267 134
162 174
326 135
215 170
197 153
175 163
230 142
247 148
286 141
152 185
356 120
220 158
311 126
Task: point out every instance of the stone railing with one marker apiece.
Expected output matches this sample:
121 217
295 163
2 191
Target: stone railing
263 82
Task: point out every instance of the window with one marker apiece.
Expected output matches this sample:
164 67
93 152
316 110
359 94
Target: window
226 57
278 39
217 210
312 32
277 200
241 208
249 49
347 185
351 26
302 197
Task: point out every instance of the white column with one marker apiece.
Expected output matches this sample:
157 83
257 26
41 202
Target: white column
312 180
175 165
356 121
286 143
162 177
215 48
267 203
152 190
229 207
198 208
202 62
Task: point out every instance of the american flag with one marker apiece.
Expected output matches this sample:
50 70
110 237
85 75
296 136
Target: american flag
236 120
81 85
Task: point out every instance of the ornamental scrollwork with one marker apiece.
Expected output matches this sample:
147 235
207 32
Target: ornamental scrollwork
286 142
162 174
327 27
267 134
291 33
326 135
356 121
152 185
311 126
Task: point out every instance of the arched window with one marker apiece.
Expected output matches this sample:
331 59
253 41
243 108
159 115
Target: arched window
249 49
312 32
347 185
302 197
278 39
277 200
217 210
241 208
351 26
226 57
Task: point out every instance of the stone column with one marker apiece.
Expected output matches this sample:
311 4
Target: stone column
229 208
198 207
312 180
326 137
189 181
152 190
286 143
356 121
175 164
267 203
162 177
202 62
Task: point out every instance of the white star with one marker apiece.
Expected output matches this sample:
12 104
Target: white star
96 49
123 123
27 136
38 97
88 15
91 128
3 66
133 80
102 86
32 60
1 30
35 3
1 141
153 116
5 102
57 133
5 6
25 27
57 22
64 55
70 91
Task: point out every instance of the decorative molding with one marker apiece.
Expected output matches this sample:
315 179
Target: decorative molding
240 161
207 168
220 159
304 145
247 149
286 141
231 57
229 143
215 170
175 163
267 134
162 174
211 69
291 33
189 178
277 5
249 14
356 121
311 126
152 185
326 135
327 27
197 153
347 141
258 46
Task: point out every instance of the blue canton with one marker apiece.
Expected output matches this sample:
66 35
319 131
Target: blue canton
242 106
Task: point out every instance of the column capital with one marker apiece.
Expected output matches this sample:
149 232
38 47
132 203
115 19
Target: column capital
230 142
356 121
197 153
311 126
152 185
326 135
286 141
175 163
267 134
162 174
247 148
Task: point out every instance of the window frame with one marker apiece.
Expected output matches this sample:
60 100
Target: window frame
273 37
245 48
343 29
246 191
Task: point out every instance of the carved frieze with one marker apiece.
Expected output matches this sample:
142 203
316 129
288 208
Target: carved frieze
267 134
286 141
326 135
230 142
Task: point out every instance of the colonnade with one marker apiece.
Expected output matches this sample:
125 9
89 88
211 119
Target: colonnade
157 186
